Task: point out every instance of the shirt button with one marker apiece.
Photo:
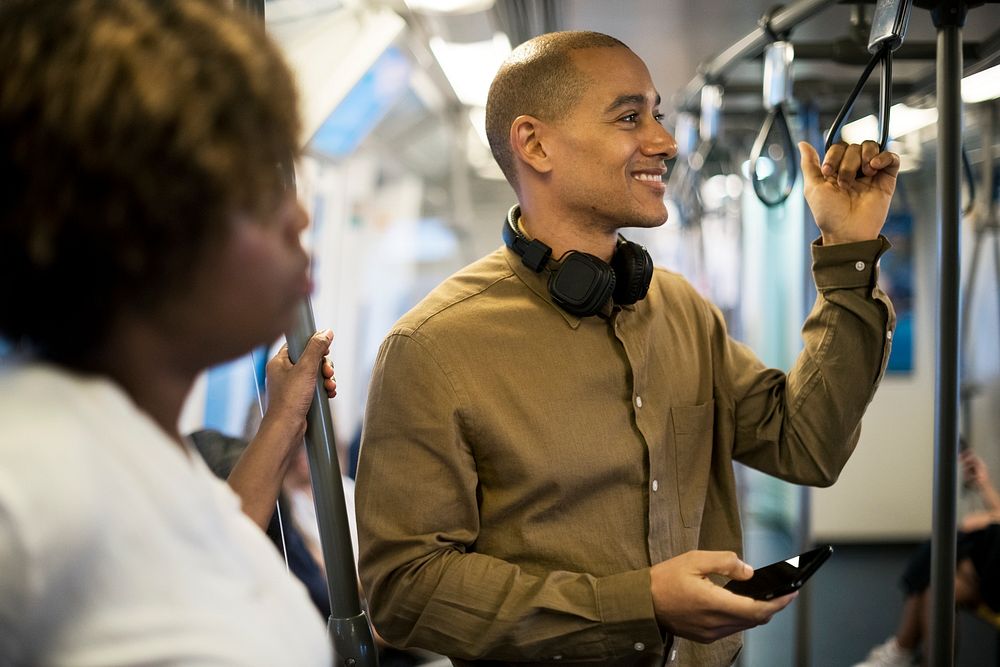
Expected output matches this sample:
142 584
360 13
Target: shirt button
656 485
638 401
557 657
639 646
860 266
888 334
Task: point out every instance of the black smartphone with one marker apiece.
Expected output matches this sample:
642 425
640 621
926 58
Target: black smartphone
783 577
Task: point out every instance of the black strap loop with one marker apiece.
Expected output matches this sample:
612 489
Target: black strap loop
775 121
883 56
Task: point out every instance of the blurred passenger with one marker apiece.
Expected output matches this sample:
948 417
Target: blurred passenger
144 235
546 468
977 577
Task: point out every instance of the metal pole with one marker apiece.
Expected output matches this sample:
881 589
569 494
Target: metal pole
948 17
749 47
348 626
803 612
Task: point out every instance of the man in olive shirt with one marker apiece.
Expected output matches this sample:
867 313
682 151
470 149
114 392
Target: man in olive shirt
537 483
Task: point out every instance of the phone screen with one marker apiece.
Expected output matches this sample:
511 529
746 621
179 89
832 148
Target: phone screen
782 577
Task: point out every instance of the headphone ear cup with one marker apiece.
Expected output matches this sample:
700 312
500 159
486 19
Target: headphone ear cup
582 284
633 269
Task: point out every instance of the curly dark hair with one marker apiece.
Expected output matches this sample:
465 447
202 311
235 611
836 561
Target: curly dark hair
131 133
537 79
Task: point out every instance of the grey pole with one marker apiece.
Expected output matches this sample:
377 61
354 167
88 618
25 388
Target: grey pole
949 17
348 626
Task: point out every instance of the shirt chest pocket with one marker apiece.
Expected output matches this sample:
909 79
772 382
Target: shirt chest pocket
693 458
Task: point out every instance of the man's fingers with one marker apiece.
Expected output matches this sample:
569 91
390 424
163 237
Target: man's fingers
725 563
741 613
760 611
850 163
831 161
777 604
887 163
869 151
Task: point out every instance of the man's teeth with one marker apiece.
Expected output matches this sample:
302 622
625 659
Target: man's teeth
647 177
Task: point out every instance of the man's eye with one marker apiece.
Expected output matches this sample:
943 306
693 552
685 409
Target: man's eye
631 118
659 118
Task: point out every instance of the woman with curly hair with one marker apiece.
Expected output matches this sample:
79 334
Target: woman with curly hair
145 235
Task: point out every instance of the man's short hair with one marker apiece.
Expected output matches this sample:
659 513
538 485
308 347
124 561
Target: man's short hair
538 79
131 134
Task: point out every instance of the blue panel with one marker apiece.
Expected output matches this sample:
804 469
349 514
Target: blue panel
367 103
896 278
232 393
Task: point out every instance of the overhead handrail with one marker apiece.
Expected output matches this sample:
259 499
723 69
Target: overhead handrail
778 57
888 30
749 46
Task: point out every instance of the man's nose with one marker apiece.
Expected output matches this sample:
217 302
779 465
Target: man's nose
662 142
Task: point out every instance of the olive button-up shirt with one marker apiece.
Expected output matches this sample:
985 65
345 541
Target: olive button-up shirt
522 468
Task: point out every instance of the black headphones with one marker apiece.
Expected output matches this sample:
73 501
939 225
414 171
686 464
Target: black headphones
581 283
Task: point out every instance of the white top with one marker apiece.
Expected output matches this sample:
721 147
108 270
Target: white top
118 548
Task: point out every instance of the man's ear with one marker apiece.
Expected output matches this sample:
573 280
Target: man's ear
527 138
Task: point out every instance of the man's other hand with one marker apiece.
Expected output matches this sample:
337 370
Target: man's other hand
689 605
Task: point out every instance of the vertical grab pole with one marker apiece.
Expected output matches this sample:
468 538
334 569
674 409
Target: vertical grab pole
348 626
949 16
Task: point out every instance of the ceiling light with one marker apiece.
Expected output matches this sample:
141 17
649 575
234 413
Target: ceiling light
982 86
478 149
902 120
477 116
449 6
470 67
977 87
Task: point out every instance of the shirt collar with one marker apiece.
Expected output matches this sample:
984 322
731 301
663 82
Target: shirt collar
537 283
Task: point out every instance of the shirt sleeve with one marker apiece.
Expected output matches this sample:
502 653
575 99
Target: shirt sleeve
426 586
803 427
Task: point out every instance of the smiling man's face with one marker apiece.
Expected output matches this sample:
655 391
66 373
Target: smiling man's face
608 152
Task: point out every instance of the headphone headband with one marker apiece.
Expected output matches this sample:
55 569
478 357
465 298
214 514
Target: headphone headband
533 253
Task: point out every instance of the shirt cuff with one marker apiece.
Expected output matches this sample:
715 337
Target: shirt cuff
625 603
847 265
